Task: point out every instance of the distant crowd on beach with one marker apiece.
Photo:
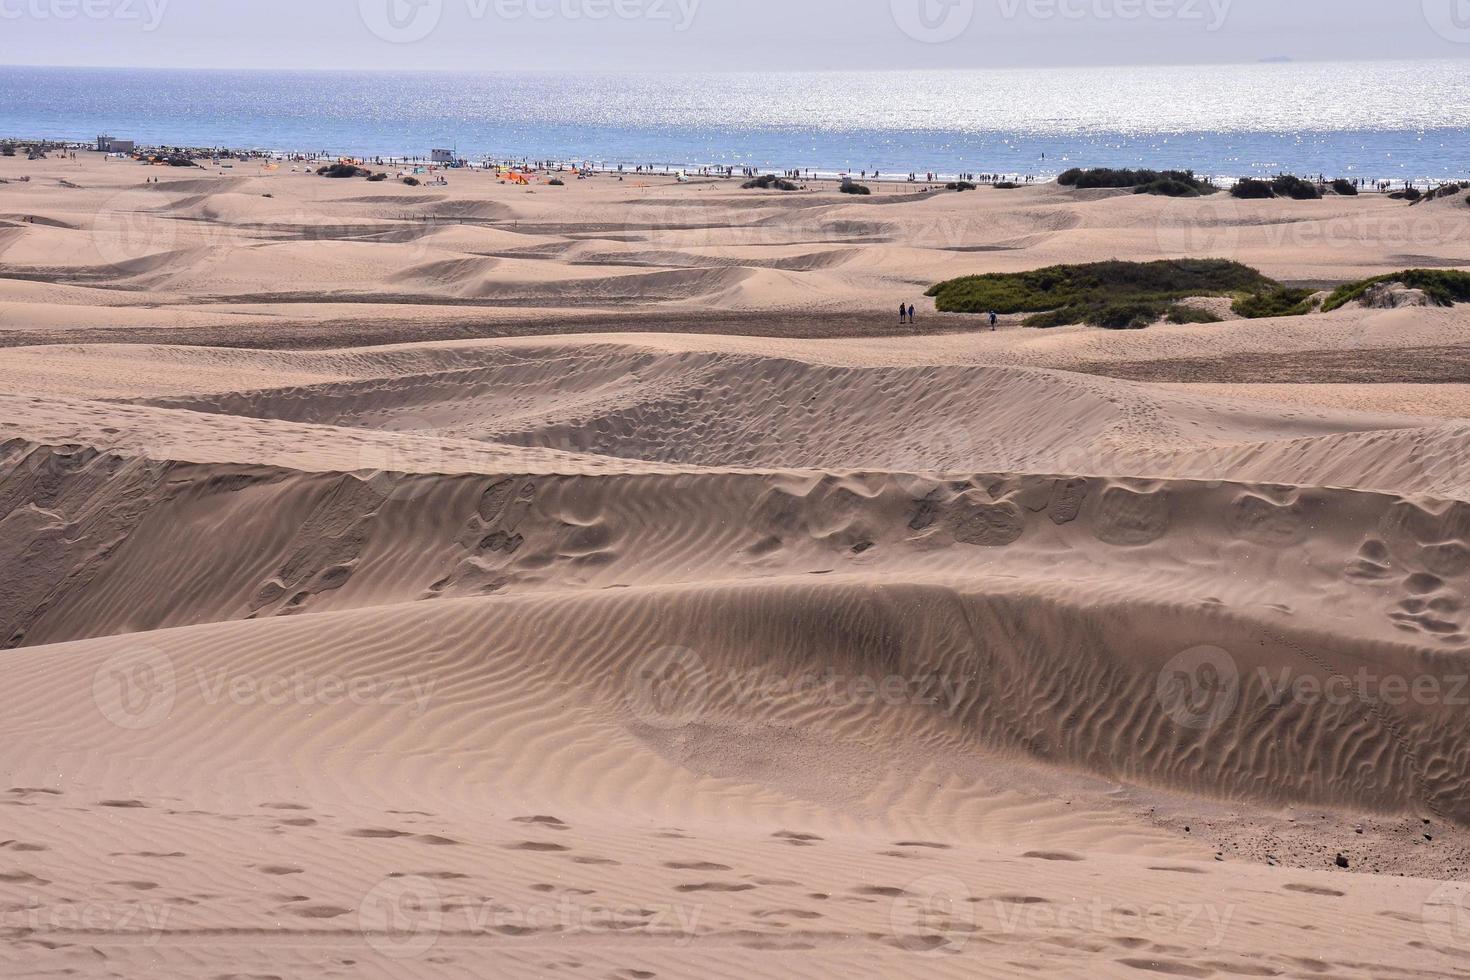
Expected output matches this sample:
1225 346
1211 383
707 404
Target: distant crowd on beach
68 149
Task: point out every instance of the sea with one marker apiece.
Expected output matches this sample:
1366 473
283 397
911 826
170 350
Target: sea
1399 120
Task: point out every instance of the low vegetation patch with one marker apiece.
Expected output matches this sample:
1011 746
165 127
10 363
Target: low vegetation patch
1189 314
411 181
767 182
851 188
1283 301
1167 183
377 178
1443 190
341 170
1006 185
1345 187
1444 287
556 182
1117 295
1251 189
1284 185
959 185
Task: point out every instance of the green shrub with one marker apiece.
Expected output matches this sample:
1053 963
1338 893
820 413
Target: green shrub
1345 187
1096 284
1127 315
1283 185
411 181
1443 190
340 170
1444 287
766 182
959 185
1169 183
1411 194
556 182
1251 189
851 188
1190 314
375 178
1006 185
1282 301
8 150
1295 188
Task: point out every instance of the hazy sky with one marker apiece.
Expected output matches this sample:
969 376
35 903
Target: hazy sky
720 34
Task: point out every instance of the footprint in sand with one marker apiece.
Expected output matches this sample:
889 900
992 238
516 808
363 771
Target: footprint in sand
1052 856
320 911
552 823
532 845
1169 967
1315 890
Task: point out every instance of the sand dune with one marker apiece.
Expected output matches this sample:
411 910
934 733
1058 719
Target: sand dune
478 649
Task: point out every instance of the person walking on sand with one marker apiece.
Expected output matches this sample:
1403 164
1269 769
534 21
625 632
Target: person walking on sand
911 314
993 321
903 313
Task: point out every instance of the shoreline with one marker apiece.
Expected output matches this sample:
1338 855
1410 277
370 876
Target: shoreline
628 168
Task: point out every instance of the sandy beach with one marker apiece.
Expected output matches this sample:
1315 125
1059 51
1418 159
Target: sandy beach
597 581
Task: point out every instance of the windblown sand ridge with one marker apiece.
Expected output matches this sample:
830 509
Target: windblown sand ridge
630 655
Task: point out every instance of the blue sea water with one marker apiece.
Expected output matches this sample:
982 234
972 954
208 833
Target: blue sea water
1403 120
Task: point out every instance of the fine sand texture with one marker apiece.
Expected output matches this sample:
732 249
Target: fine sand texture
598 582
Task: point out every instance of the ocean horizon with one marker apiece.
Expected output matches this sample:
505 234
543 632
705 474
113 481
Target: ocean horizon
1402 120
